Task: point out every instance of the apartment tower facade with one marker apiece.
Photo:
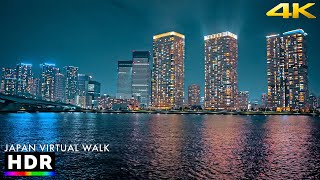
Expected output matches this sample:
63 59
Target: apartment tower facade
221 76
168 71
287 71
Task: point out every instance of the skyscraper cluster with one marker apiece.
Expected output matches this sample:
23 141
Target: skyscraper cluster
159 83
18 81
134 78
287 73
52 84
167 75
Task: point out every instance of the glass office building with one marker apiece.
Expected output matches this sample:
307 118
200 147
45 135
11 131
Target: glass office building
94 89
59 88
124 81
141 77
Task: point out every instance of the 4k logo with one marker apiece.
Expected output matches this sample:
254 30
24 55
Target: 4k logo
296 10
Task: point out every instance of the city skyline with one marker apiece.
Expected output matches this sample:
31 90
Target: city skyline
79 42
285 53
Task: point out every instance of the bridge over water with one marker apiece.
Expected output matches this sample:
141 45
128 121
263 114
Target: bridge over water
9 103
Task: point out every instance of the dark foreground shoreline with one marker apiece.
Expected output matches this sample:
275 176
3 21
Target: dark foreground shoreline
265 113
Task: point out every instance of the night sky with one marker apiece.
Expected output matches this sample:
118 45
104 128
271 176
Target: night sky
94 35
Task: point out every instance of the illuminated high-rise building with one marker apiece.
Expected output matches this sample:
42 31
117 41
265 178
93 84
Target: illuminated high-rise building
202 101
275 71
71 83
141 77
168 70
94 89
221 77
243 100
313 102
104 101
83 99
124 83
9 81
35 90
59 92
47 81
83 82
287 71
194 95
264 100
24 80
295 69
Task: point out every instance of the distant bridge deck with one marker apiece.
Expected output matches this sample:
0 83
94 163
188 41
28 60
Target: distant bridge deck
29 101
